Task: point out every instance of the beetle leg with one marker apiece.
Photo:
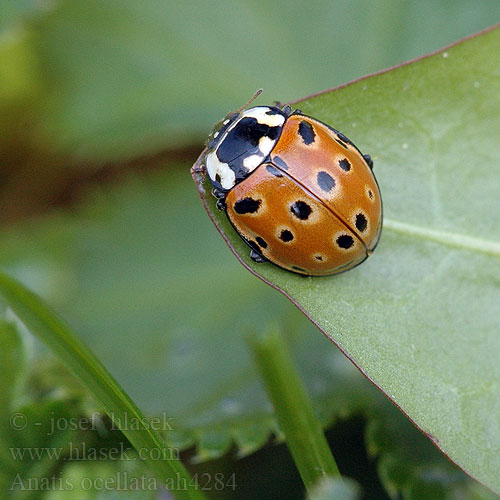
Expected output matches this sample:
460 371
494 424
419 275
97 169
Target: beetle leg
368 160
221 204
257 257
221 198
218 193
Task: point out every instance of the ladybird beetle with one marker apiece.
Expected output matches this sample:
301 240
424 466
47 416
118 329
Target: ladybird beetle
297 191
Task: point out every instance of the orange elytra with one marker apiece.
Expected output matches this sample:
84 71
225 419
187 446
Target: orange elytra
297 191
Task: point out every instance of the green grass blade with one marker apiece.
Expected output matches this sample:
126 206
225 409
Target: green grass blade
49 328
303 432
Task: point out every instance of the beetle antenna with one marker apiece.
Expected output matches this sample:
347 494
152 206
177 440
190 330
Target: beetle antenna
257 94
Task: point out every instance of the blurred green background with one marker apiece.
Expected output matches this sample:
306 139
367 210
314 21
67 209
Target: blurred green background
104 105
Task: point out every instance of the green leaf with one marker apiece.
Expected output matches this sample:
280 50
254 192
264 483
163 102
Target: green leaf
106 480
29 447
49 328
36 451
13 363
415 469
420 318
14 13
39 442
122 78
127 262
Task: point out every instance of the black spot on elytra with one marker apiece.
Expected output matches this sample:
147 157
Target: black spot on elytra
319 257
247 206
301 210
273 171
370 194
261 242
306 131
286 236
361 222
279 162
254 245
325 181
344 164
345 241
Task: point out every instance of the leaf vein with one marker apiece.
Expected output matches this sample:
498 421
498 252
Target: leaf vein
454 240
